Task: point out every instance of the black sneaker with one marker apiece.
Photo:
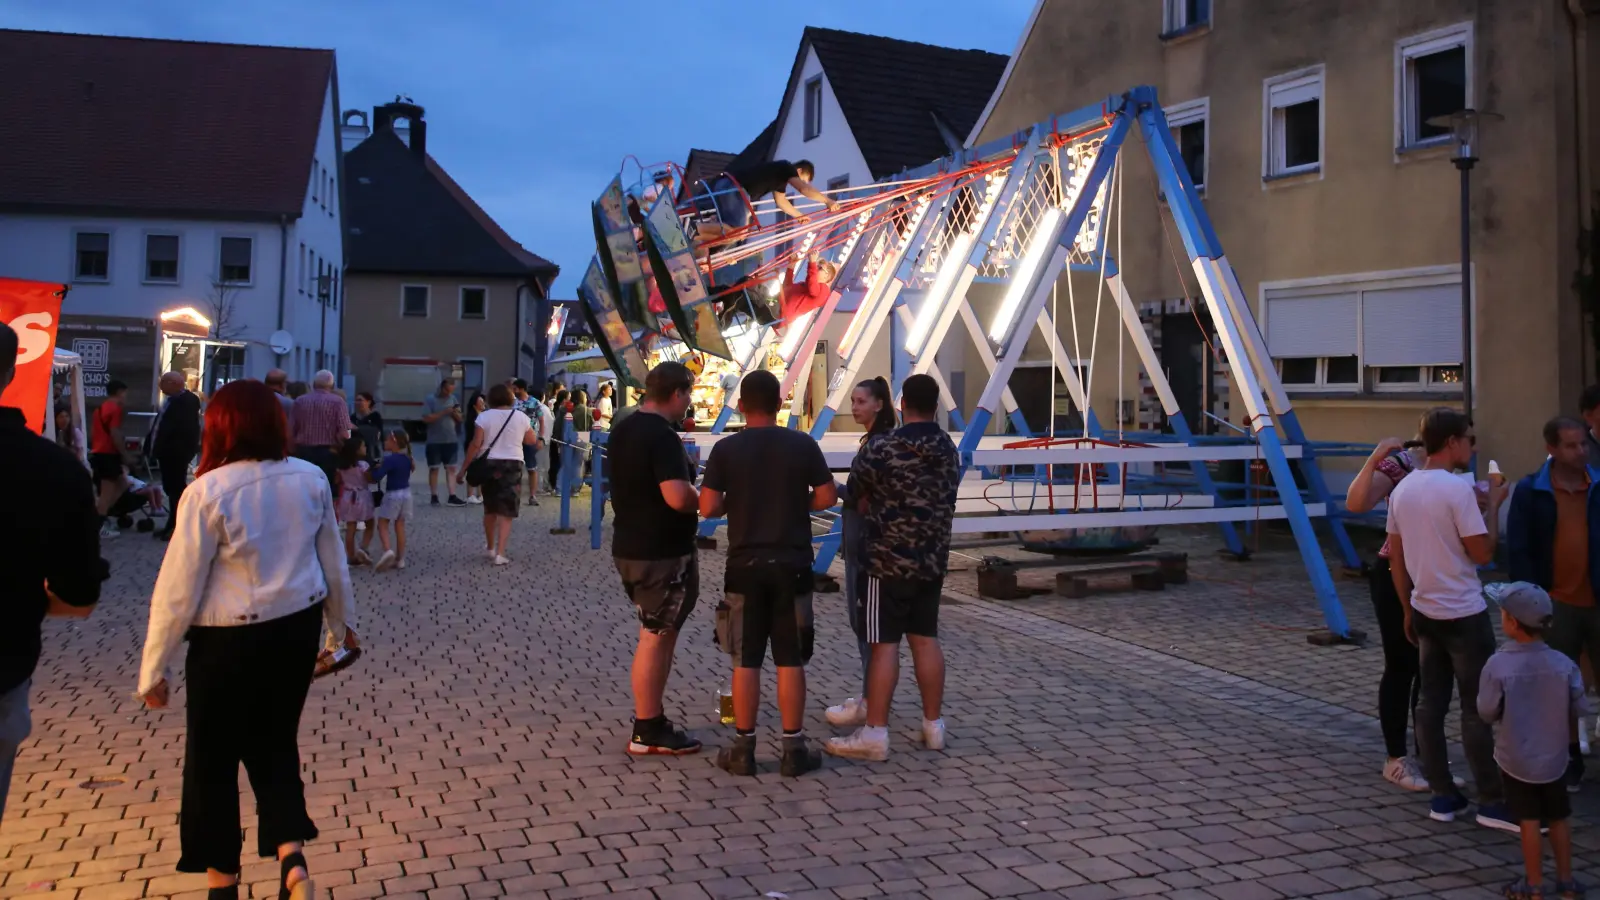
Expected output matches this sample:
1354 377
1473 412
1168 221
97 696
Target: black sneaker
434 501
739 759
1574 775
455 501
798 758
660 737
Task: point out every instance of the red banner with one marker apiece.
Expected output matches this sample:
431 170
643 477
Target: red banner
33 310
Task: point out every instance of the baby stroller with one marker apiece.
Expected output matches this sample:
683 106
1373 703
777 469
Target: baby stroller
142 499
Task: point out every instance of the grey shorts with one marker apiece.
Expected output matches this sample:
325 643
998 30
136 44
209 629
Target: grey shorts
1574 629
762 604
664 591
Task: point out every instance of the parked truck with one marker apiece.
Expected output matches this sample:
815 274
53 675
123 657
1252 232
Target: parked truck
404 384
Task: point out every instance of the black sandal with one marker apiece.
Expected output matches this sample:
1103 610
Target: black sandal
302 888
231 892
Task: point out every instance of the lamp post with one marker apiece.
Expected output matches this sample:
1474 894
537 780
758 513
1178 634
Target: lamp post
1464 126
324 293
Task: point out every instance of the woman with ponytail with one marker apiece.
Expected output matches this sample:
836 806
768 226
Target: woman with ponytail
872 407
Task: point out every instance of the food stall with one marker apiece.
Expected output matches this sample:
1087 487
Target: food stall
66 386
187 347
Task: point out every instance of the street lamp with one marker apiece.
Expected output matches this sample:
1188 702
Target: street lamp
324 292
1464 126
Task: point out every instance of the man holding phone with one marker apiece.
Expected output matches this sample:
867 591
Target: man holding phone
442 414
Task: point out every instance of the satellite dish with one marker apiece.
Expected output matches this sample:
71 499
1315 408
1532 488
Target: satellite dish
281 342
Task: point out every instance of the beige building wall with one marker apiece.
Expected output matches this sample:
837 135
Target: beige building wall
375 330
1370 209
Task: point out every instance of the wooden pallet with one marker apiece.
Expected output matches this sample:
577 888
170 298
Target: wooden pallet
997 578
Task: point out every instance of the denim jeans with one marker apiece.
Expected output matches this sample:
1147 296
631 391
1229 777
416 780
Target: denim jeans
15 725
850 541
1454 650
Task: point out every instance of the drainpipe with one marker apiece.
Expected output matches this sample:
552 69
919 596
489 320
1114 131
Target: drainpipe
283 275
1580 65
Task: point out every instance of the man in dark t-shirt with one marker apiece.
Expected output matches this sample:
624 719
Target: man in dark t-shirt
768 480
652 543
722 195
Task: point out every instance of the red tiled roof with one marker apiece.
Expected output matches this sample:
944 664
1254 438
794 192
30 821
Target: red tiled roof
157 126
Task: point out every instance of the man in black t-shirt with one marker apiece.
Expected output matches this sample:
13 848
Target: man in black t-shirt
50 561
722 195
769 480
652 543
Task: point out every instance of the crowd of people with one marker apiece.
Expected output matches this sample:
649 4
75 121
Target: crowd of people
1438 636
767 481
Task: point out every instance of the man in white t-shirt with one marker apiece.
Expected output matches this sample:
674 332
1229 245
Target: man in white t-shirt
1438 536
536 456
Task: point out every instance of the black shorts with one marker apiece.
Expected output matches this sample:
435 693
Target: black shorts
1536 802
106 466
766 603
664 591
891 608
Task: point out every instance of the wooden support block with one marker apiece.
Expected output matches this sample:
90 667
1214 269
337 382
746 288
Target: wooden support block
998 583
1071 586
1174 570
1149 581
705 543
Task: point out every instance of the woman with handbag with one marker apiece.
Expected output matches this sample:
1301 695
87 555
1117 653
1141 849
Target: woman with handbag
254 568
495 464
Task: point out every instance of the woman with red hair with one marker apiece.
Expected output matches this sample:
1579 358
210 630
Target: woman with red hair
254 568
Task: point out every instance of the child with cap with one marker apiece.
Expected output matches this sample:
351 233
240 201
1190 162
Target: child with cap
1533 692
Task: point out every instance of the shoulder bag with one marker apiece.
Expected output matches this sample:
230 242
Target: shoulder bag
478 469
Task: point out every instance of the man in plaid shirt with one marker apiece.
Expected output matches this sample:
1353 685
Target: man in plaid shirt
535 456
321 424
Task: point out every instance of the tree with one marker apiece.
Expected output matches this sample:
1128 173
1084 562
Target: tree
222 302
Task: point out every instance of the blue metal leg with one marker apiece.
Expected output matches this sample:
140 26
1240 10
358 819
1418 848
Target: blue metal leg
824 419
722 420
1304 535
1319 487
1202 477
827 549
957 423
597 496
564 483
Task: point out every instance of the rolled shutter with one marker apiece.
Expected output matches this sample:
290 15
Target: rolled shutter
1312 326
1419 326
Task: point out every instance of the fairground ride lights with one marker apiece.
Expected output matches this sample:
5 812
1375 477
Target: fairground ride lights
955 258
1039 243
859 321
797 330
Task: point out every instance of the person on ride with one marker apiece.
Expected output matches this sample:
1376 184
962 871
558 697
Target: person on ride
795 300
721 195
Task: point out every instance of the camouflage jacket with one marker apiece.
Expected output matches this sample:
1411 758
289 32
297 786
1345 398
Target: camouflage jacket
909 480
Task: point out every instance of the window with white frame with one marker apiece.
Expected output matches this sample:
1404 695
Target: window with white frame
1189 122
1433 78
300 273
91 259
234 260
161 258
474 303
1291 142
1374 334
1183 15
813 106
414 300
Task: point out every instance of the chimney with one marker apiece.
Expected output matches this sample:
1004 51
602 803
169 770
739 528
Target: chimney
353 128
404 118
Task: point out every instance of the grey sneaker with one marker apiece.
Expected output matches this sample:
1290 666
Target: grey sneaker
798 758
740 758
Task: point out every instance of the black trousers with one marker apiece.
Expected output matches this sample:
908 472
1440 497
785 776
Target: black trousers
247 686
174 478
323 458
1399 688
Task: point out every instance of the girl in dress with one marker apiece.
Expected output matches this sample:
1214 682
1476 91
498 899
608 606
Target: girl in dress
354 503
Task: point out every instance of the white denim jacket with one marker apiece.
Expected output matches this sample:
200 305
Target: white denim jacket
254 541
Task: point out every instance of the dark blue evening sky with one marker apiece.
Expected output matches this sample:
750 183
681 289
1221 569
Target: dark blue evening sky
532 104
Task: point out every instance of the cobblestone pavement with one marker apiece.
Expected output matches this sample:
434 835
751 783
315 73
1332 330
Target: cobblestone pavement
1133 744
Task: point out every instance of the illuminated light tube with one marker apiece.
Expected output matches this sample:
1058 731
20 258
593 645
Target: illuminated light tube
934 300
186 312
797 330
1038 245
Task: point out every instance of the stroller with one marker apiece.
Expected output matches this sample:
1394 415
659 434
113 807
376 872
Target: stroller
142 499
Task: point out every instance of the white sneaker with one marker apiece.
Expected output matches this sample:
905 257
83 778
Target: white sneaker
474 500
384 561
399 564
1406 773
933 734
501 560
489 553
109 530
861 745
852 713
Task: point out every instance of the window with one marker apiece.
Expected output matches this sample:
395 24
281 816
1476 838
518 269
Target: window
235 258
474 303
1292 131
414 300
333 287
1387 332
316 180
1433 77
1178 16
813 106
472 371
92 256
839 184
301 272
322 271
161 258
1188 123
